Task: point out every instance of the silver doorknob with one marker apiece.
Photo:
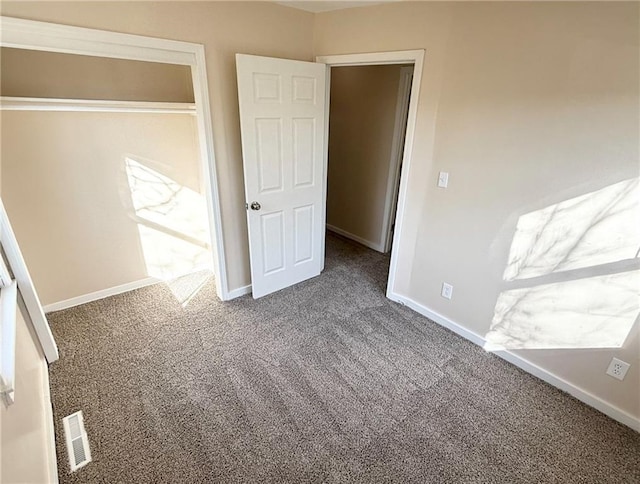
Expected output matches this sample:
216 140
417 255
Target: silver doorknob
255 206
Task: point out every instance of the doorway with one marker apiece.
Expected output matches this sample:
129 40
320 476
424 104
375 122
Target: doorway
286 166
367 125
414 58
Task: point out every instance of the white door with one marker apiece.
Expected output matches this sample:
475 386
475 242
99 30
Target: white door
282 120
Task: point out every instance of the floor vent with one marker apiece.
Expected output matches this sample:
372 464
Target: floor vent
77 441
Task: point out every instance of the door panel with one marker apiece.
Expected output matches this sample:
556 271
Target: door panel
303 228
282 120
273 228
269 154
304 143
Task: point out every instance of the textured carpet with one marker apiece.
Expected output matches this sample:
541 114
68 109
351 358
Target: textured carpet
327 381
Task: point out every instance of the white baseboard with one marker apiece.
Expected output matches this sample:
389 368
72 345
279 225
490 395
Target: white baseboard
535 370
367 243
241 291
94 296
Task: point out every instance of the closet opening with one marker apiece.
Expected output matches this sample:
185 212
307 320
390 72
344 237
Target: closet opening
102 175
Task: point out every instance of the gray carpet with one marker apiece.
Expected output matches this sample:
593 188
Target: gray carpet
327 381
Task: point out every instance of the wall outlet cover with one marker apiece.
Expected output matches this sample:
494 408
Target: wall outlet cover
447 290
618 369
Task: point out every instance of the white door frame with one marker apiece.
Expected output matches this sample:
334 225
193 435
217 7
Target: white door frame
28 299
397 148
44 36
415 57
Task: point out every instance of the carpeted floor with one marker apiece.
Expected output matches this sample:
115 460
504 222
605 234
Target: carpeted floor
327 381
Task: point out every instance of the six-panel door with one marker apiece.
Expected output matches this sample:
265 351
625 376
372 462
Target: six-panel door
282 118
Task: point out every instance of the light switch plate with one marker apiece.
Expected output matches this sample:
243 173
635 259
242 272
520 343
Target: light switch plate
447 290
443 179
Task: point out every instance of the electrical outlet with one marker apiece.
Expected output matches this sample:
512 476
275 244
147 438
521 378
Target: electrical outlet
447 290
618 369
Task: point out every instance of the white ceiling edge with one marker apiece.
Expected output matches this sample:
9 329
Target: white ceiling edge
328 5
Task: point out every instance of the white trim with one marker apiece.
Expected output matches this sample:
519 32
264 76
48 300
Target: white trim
5 277
94 296
210 172
415 57
367 243
241 291
51 434
325 163
33 35
397 147
33 308
66 39
8 311
9 103
372 58
531 368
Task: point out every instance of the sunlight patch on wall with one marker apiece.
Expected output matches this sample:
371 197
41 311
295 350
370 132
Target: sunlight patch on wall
168 257
172 223
596 228
161 200
573 274
595 312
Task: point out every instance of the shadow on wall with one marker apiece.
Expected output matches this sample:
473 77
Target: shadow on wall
172 223
573 274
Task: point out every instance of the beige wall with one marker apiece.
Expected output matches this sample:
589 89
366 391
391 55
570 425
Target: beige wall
525 105
69 197
27 454
225 28
31 73
361 129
